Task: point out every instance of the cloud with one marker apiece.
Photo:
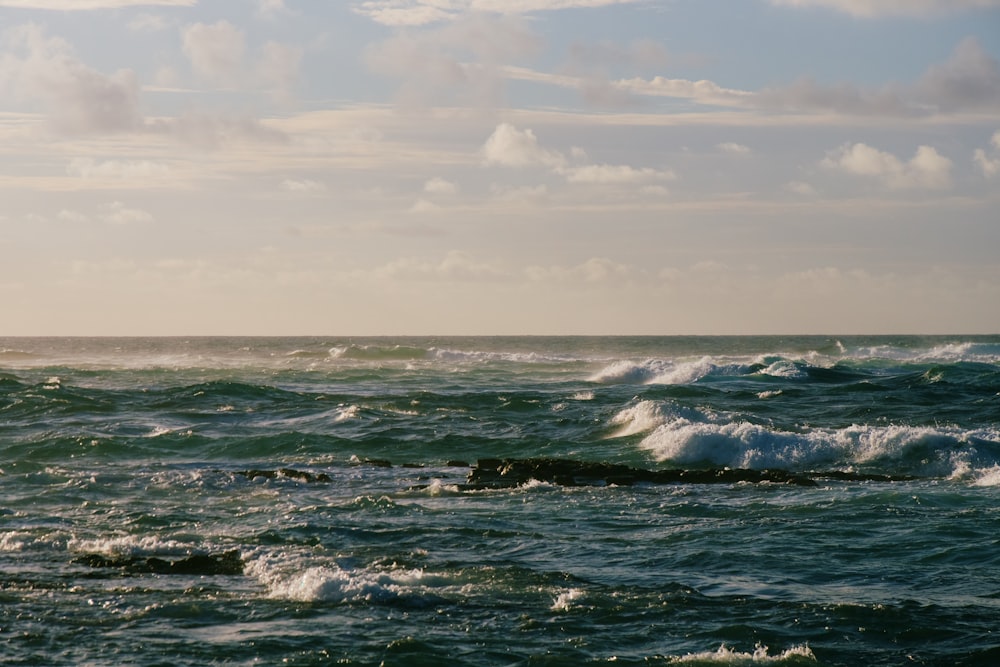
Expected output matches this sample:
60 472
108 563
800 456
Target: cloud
74 5
926 169
148 23
614 174
800 188
733 147
456 266
593 271
302 186
75 217
421 12
216 51
989 163
462 58
207 131
118 213
879 8
42 70
439 186
511 147
116 169
969 79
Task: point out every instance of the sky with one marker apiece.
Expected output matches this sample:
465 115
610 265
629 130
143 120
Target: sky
433 167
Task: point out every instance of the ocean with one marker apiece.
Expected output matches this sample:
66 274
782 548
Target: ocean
798 500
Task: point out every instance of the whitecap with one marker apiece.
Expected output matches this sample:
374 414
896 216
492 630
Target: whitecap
642 417
564 601
760 655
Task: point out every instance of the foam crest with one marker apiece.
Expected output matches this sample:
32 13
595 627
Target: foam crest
760 656
566 600
639 418
629 372
719 440
331 582
129 545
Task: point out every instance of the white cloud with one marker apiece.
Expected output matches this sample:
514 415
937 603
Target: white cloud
456 266
116 169
926 169
800 188
271 8
72 5
614 174
593 271
969 79
422 12
215 51
304 185
68 215
989 162
511 147
439 186
878 8
279 67
733 147
118 213
42 70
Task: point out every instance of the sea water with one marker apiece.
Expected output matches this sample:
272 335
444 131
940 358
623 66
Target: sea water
327 478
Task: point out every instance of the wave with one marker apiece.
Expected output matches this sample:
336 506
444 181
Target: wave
797 655
691 437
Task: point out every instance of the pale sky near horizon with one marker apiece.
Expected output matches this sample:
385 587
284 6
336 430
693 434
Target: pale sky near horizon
365 167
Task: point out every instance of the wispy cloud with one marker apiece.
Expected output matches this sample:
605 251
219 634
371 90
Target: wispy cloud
78 5
881 8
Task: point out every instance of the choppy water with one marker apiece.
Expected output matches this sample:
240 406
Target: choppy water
124 461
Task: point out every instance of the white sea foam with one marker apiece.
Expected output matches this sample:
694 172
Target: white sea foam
12 541
129 545
697 438
727 656
639 418
565 600
987 477
630 372
287 577
784 369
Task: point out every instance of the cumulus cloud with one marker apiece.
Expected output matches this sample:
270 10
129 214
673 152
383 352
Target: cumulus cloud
439 186
216 51
38 69
969 79
118 213
455 267
733 147
926 169
88 168
614 174
511 147
989 159
593 271
879 8
303 186
800 188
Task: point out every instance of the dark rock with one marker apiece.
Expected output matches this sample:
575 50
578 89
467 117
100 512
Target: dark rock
378 463
507 473
226 563
297 475
455 463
